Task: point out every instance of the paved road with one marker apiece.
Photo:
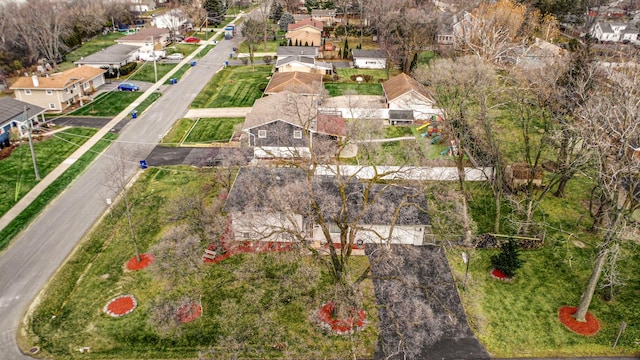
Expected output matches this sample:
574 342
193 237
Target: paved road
33 256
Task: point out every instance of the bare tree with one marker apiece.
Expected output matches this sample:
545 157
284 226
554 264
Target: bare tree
178 259
252 31
118 181
86 18
611 131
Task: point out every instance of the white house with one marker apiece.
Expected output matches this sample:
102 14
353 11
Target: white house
173 20
273 203
614 32
303 64
141 6
369 59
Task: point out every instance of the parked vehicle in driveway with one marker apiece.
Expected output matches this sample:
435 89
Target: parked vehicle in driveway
176 56
192 39
128 87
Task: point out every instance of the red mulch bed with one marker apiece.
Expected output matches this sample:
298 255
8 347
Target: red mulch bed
189 312
145 260
587 328
121 305
234 248
497 274
324 316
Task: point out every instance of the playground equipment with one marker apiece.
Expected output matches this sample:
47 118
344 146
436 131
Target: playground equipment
436 139
445 151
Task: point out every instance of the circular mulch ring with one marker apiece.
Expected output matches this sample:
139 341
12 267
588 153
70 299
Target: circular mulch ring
145 260
120 305
324 316
497 274
587 328
189 312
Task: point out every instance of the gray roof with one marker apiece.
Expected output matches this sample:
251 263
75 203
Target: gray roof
285 106
261 189
297 50
401 114
12 109
113 54
371 54
300 59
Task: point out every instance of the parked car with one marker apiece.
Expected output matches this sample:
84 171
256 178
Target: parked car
128 87
192 39
176 56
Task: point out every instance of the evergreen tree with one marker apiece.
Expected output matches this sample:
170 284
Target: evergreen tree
296 43
215 11
508 260
414 63
285 20
345 54
276 11
306 43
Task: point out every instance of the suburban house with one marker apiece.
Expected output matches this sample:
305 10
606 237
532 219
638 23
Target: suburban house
306 32
303 64
402 92
15 115
58 91
112 57
369 59
147 39
325 15
173 20
141 6
614 32
301 83
272 203
287 125
303 51
400 117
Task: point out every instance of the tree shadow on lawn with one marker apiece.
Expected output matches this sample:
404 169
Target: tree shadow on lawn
421 316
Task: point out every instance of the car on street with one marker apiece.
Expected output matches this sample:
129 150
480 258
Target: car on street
128 87
176 56
192 39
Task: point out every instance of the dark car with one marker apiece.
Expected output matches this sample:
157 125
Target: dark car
128 87
192 39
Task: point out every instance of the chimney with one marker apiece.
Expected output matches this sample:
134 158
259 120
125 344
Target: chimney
34 78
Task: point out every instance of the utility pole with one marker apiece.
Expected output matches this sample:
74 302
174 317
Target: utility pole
33 153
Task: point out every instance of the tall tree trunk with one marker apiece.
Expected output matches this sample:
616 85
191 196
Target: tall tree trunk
587 296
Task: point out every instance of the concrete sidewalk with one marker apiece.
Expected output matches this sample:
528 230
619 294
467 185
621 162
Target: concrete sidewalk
218 112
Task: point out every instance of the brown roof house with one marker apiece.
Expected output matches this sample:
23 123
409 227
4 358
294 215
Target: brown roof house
287 125
58 91
147 39
305 32
302 83
402 92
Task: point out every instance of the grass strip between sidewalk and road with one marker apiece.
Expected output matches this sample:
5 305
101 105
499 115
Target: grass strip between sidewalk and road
52 191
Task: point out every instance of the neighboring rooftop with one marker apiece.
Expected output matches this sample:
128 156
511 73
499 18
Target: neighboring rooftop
114 52
402 84
58 80
11 108
296 82
310 51
371 54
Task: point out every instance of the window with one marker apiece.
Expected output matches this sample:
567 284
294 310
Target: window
246 235
334 229
262 134
86 85
27 92
297 134
52 106
49 92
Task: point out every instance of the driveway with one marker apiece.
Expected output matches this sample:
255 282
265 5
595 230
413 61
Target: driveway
420 313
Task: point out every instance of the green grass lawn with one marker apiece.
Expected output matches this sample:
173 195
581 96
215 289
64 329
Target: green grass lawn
337 89
179 74
234 86
213 130
378 75
55 188
92 46
519 319
250 302
272 46
114 102
17 170
176 134
147 73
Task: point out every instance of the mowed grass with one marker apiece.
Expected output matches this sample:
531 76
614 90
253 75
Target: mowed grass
114 102
251 303
337 89
147 73
210 130
54 189
17 170
519 319
234 86
178 131
90 47
378 75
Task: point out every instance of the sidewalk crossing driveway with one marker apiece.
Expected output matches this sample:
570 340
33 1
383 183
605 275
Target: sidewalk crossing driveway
197 156
420 313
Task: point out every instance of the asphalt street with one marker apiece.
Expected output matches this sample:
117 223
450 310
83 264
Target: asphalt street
32 258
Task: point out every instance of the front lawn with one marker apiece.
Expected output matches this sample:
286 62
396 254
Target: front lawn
520 318
114 102
253 305
147 72
234 86
377 75
17 170
211 130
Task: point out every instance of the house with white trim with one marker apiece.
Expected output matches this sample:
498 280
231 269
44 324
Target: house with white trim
369 59
614 32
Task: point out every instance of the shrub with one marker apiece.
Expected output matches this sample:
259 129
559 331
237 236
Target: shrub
367 77
508 260
128 68
327 78
267 59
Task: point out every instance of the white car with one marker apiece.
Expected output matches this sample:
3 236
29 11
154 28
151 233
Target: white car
176 56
